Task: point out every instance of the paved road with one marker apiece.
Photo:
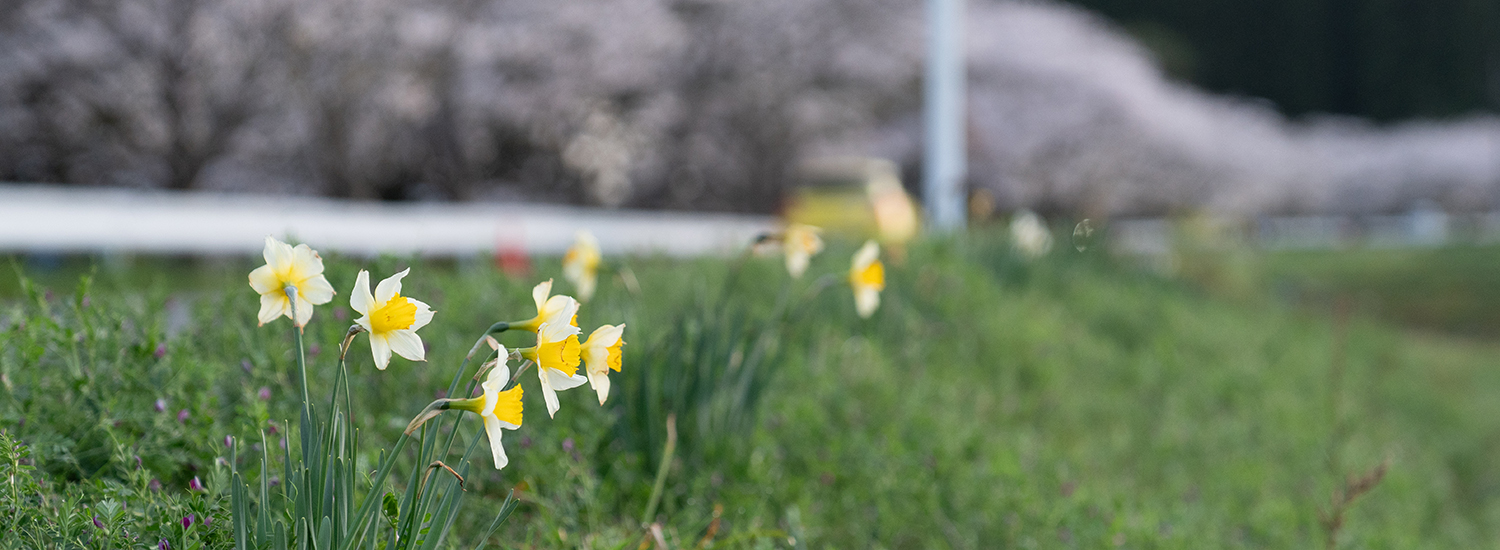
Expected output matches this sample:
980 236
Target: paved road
75 219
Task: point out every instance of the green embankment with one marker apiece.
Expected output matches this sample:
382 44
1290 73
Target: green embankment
990 403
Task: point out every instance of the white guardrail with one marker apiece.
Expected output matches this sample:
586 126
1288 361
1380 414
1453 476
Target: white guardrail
55 219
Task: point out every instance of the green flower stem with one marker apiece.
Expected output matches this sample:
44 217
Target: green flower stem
291 295
362 517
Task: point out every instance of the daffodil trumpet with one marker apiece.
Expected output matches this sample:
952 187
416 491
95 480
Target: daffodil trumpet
557 356
392 320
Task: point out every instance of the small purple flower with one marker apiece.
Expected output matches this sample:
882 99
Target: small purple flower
47 295
228 441
440 393
208 520
155 485
161 351
314 350
163 545
187 521
264 393
85 300
568 444
98 524
161 405
275 481
340 313
245 364
195 485
182 415
138 464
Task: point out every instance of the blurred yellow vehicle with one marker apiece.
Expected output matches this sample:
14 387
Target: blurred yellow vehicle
859 197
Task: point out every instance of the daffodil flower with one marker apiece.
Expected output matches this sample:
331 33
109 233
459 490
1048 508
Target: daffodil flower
601 354
581 265
391 319
497 409
557 355
867 277
300 268
800 242
1029 234
548 309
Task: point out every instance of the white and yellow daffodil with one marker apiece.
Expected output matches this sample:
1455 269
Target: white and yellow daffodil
867 277
557 355
300 268
1029 234
391 319
548 309
800 242
601 354
497 409
581 265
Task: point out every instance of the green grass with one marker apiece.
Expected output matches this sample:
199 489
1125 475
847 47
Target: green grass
1449 289
1071 402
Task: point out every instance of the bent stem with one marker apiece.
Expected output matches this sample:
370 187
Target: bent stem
661 471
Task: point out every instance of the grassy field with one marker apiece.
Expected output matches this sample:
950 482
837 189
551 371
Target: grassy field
1070 402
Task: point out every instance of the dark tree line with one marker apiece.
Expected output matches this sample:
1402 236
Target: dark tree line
1383 59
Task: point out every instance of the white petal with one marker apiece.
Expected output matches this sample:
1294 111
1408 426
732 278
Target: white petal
866 255
548 394
606 335
555 332
560 308
306 262
496 379
364 322
423 315
796 262
600 382
304 311
492 385
587 282
540 293
866 301
263 280
360 299
316 289
560 381
407 344
390 287
380 347
278 255
272 305
492 429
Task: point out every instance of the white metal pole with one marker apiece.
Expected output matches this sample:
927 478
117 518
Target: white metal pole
943 113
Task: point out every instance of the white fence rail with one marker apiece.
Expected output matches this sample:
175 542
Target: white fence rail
97 220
